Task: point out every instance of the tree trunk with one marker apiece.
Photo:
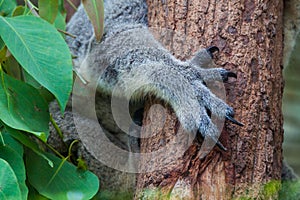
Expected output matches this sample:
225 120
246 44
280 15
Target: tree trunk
249 35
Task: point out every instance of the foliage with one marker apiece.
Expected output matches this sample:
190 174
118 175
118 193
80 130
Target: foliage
35 68
95 11
291 108
291 97
271 189
115 195
8 182
290 190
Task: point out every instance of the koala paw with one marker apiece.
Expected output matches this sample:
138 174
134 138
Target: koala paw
210 103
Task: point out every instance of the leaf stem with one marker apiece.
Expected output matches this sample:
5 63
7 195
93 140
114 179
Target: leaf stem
59 132
2 139
70 148
32 7
66 33
72 5
85 82
56 172
48 146
62 162
1 2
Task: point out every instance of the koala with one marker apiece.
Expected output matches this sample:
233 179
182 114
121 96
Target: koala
131 59
128 64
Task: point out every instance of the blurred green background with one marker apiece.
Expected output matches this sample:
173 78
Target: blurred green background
291 109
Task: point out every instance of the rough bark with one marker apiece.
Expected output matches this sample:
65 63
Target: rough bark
249 35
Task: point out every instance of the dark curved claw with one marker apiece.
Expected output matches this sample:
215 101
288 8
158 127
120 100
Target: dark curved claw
211 50
220 145
226 74
230 118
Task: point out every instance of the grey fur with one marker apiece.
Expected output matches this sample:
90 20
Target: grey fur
128 51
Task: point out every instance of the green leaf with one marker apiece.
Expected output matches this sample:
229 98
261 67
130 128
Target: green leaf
21 10
26 141
48 9
34 195
7 6
60 21
27 78
43 92
8 182
22 107
12 67
2 45
61 6
11 153
11 142
95 11
41 51
63 181
2 51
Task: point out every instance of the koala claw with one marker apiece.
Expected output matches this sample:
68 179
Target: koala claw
230 114
226 74
220 145
230 118
211 50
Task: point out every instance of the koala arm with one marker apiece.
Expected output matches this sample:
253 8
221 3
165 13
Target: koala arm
129 63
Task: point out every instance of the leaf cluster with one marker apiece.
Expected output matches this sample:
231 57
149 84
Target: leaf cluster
35 69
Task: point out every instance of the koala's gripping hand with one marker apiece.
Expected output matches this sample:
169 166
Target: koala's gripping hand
183 86
130 63
155 71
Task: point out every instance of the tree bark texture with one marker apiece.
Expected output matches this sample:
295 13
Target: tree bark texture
249 35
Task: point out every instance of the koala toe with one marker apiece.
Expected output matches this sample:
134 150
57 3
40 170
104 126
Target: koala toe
212 50
225 74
